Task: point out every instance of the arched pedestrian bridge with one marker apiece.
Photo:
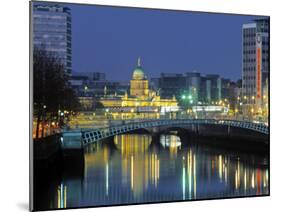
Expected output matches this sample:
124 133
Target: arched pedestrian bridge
91 136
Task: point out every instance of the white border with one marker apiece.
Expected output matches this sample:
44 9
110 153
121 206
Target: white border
14 102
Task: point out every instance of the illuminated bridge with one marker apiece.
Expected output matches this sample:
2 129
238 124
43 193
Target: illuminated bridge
94 135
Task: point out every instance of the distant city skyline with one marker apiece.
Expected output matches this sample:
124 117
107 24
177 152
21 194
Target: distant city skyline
110 39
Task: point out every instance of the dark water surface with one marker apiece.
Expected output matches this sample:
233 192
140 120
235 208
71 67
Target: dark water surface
135 168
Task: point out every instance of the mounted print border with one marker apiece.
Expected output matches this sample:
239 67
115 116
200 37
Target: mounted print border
136 105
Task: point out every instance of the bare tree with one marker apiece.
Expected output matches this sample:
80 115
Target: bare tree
52 91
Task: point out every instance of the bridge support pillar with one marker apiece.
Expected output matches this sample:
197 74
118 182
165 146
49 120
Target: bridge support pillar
71 140
71 144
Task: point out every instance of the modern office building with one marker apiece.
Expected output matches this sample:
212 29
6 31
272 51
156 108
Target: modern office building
52 31
214 85
94 84
191 86
255 65
95 76
171 85
193 81
229 93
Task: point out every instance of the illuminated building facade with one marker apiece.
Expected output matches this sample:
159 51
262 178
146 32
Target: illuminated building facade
139 83
255 65
142 102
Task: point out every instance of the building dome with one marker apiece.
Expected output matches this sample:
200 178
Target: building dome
138 73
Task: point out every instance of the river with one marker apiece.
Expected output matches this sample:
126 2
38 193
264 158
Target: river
136 168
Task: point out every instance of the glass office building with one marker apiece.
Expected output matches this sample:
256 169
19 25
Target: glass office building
52 31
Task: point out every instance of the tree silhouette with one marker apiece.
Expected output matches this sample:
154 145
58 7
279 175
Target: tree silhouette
51 89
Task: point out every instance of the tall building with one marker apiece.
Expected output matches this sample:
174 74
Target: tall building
52 31
255 65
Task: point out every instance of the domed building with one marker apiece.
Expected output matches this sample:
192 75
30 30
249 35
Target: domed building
141 101
139 82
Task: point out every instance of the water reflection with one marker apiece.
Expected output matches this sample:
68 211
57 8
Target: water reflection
62 196
135 168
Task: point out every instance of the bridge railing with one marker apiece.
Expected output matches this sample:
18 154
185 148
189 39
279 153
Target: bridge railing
96 134
195 121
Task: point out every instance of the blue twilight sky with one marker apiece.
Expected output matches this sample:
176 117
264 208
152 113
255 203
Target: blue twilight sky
109 39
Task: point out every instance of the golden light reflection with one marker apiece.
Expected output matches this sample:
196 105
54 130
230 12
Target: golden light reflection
61 196
253 180
172 142
220 167
141 166
95 159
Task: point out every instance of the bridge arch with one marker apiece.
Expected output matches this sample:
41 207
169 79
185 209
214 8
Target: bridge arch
90 136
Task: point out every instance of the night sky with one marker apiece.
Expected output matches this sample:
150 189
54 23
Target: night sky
109 39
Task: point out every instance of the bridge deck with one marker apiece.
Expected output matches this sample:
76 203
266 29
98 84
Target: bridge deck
90 136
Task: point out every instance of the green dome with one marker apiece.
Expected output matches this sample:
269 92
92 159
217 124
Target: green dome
138 74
